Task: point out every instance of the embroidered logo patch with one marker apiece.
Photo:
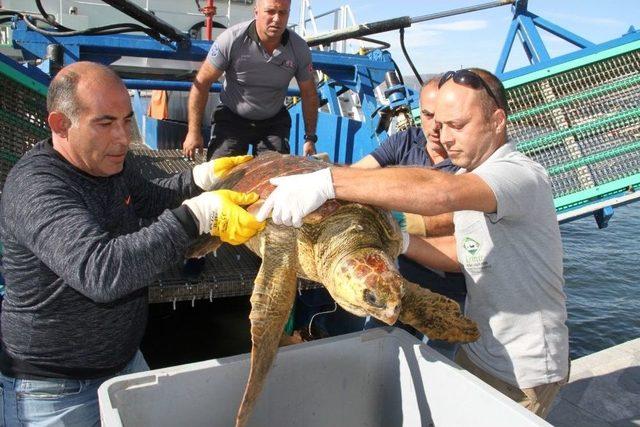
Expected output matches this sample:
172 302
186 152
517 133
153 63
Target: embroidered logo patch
215 49
470 245
289 64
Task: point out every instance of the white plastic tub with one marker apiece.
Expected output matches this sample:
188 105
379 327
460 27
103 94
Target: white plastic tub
382 377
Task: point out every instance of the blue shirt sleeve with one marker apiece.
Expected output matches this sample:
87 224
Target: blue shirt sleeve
390 151
405 148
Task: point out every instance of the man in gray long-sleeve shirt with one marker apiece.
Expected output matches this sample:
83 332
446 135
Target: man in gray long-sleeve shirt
77 259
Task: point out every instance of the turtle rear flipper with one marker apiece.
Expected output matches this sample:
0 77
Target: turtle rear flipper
271 301
436 316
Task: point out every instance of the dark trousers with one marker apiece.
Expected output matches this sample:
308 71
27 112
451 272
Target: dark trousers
231 134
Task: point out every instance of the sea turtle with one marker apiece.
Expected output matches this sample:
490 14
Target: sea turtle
348 247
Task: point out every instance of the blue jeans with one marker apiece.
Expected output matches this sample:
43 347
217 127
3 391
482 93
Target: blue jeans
55 402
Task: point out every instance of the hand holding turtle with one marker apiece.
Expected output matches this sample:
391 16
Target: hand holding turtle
309 148
206 175
296 196
219 213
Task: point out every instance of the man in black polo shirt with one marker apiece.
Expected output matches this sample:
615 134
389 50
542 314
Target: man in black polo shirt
258 58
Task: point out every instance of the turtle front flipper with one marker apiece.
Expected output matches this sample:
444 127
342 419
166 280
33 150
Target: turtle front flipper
271 301
203 246
436 316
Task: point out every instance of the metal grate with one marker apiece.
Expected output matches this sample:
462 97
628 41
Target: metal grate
582 125
230 272
23 114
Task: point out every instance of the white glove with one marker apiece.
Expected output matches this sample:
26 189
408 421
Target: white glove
206 175
205 208
296 196
406 239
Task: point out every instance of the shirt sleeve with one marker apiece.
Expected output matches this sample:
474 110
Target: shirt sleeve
516 184
152 197
393 151
220 52
388 153
304 71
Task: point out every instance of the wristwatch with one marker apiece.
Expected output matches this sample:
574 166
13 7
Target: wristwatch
313 137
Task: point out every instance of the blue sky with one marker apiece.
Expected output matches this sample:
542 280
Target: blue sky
476 39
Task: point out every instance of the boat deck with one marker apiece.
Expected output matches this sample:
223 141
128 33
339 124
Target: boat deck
603 390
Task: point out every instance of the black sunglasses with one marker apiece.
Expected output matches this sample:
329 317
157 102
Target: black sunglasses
470 79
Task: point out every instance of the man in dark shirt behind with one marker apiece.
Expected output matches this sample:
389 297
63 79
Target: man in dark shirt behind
420 146
77 259
416 146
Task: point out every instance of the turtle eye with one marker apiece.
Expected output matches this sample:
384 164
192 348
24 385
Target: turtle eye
370 298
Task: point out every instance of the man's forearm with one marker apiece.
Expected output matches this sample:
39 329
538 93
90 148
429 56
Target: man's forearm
439 225
310 112
437 253
197 101
414 190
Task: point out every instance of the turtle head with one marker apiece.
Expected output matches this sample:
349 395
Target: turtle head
366 282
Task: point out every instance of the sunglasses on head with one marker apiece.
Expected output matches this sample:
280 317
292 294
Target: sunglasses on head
470 79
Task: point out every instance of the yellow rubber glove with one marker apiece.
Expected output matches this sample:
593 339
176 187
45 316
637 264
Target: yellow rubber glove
219 213
234 224
415 224
206 175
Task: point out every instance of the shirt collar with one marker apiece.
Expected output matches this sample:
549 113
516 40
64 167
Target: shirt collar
252 33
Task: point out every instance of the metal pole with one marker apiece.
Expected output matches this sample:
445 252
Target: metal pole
148 19
461 10
209 11
180 86
360 30
301 22
394 24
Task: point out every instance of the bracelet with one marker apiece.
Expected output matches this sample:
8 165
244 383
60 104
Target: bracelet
311 137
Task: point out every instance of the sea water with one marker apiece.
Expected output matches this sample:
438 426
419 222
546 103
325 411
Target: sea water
602 280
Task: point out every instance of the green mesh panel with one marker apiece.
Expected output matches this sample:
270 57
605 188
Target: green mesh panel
23 113
583 126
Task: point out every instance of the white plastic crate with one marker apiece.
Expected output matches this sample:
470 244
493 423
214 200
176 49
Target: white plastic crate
382 377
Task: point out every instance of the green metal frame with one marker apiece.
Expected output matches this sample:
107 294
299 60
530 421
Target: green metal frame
573 98
23 79
550 139
599 192
610 189
571 65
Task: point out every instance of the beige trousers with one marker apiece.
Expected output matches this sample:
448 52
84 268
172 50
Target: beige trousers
537 399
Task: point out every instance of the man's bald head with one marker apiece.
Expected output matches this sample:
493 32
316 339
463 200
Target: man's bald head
432 83
63 89
260 2
497 89
90 118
